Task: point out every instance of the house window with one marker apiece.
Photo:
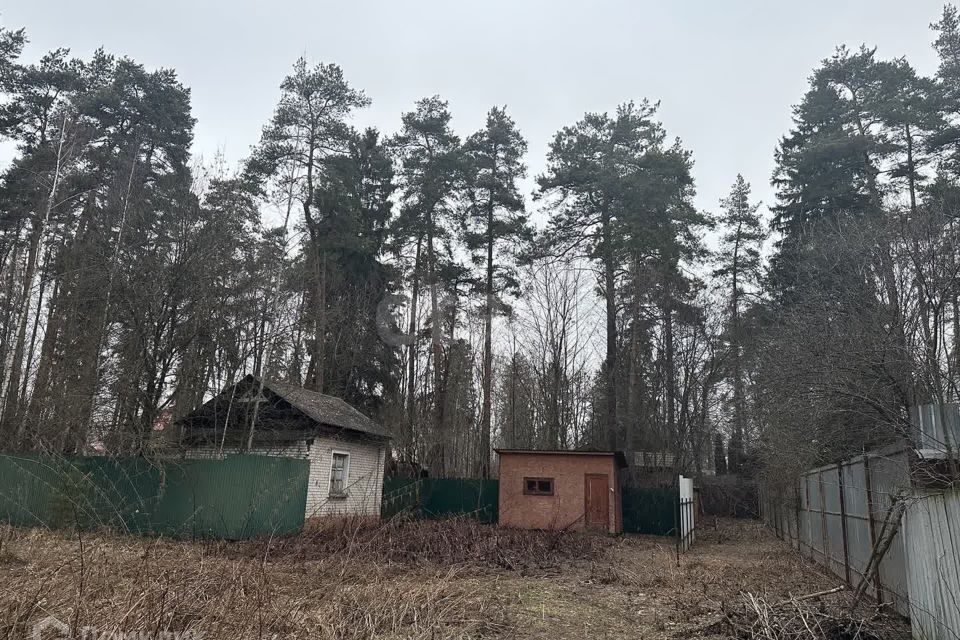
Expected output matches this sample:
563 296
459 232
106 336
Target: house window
339 469
538 486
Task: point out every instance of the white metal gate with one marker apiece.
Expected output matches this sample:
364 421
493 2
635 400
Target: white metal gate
685 528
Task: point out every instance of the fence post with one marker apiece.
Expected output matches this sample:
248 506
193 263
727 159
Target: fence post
805 495
796 491
824 538
843 524
868 480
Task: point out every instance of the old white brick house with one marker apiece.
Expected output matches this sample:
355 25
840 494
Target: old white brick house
346 449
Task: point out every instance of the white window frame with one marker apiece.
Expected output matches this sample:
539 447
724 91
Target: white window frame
346 474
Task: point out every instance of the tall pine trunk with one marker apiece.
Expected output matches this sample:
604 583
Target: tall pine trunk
485 427
12 413
10 310
412 353
610 364
439 445
735 450
318 356
668 357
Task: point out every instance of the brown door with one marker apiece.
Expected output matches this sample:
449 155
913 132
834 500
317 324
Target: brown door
597 501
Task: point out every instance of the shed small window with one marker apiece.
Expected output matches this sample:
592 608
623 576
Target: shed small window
339 468
538 486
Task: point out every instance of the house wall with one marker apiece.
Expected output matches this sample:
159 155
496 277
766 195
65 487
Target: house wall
364 478
565 508
364 472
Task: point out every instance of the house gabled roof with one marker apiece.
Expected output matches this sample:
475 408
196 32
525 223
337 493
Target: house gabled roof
312 407
326 409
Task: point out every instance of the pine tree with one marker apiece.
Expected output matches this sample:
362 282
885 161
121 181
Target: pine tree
586 165
622 197
739 271
662 237
947 46
41 116
307 128
494 158
430 177
355 205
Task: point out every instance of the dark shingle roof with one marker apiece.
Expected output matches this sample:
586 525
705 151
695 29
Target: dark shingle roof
326 409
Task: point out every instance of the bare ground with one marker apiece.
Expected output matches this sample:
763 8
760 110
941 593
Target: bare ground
437 580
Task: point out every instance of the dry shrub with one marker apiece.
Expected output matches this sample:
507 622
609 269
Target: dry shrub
430 543
234 590
827 618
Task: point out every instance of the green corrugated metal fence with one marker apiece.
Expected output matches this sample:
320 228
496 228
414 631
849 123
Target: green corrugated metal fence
400 495
238 497
441 497
651 511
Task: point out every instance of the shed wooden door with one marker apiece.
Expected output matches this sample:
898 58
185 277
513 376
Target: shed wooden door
597 500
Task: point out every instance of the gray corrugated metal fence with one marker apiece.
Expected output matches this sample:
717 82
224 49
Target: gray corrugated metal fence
835 516
932 534
935 427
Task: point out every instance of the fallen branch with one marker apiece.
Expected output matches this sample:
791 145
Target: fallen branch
811 596
891 523
756 619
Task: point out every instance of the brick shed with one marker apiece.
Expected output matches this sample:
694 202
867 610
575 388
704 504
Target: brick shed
561 489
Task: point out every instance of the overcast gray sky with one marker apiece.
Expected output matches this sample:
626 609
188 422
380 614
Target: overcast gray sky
726 73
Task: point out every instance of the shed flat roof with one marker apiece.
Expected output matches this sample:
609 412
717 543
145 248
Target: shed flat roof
618 455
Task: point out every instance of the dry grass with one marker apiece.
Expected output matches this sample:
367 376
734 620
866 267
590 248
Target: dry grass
340 579
410 542
403 580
